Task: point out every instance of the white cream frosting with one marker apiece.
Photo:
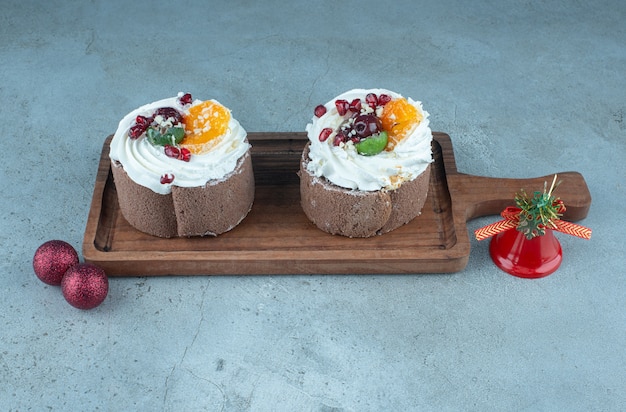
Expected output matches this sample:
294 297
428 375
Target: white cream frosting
145 163
345 167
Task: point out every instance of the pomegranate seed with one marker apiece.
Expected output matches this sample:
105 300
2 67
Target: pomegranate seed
167 178
141 125
172 151
342 106
320 110
383 99
185 154
135 131
185 99
143 121
355 105
372 100
325 133
339 138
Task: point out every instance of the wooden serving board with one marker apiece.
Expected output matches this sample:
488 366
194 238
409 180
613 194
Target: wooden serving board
277 238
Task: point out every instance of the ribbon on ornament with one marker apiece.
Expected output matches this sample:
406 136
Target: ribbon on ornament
511 220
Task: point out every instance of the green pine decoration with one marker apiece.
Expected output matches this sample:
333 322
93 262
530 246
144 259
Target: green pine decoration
539 211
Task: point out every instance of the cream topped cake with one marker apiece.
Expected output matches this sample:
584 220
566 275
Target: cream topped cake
366 167
182 167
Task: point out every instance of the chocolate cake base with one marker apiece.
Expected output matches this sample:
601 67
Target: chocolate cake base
207 210
357 213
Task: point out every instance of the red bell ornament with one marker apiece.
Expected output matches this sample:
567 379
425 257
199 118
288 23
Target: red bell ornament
523 243
527 258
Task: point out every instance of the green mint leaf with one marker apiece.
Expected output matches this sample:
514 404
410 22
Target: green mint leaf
173 136
178 133
153 136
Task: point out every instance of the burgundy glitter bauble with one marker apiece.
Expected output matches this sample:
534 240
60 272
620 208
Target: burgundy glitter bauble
52 260
85 286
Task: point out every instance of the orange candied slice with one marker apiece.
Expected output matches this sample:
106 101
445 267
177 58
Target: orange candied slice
399 117
204 124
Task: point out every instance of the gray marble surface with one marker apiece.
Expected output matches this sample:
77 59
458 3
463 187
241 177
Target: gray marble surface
524 89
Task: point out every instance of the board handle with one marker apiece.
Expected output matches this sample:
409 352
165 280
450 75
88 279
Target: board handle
485 196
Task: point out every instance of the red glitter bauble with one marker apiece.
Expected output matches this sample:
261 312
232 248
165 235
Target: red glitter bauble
85 286
52 260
